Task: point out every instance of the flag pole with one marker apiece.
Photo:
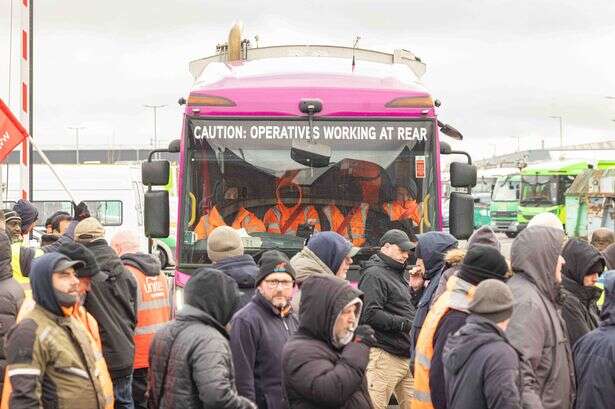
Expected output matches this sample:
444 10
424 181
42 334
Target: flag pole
53 170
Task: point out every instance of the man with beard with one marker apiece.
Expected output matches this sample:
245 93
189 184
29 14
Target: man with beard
12 225
228 212
260 330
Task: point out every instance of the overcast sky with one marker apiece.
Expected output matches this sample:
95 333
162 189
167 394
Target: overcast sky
500 67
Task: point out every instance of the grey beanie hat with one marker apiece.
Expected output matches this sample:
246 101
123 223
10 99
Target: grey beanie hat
224 242
492 300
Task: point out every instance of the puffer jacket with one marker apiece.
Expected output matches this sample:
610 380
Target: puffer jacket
243 270
481 368
537 328
387 303
453 259
112 301
580 309
316 373
594 357
306 264
11 298
190 357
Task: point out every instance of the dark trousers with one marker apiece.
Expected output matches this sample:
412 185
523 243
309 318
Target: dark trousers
122 391
139 388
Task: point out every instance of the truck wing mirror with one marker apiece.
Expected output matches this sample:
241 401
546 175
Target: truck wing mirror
156 214
462 175
155 173
445 148
461 215
450 131
174 146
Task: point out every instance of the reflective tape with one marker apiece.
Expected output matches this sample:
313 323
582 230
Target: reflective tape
154 304
77 371
422 360
150 329
23 371
422 396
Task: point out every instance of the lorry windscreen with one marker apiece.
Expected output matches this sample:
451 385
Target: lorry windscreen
278 180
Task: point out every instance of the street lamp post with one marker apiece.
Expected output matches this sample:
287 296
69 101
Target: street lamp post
561 129
76 129
155 108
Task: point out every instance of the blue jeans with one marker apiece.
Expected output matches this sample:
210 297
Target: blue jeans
122 392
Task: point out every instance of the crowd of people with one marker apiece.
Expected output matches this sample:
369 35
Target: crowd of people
87 323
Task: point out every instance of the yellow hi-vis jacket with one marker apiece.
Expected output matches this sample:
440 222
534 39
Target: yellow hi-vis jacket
457 296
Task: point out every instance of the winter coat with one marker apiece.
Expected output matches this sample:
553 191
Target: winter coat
243 270
594 358
316 373
51 360
306 264
453 259
580 309
112 301
481 368
11 297
432 248
190 358
387 303
536 327
609 256
258 334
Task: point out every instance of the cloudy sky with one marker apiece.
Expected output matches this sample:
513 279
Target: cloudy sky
500 67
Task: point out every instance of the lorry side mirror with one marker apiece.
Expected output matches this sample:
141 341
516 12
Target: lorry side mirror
445 148
461 215
462 175
156 214
174 146
155 173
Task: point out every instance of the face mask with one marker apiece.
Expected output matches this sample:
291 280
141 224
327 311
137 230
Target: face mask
64 299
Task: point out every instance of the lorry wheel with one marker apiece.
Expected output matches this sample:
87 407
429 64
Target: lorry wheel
510 234
164 259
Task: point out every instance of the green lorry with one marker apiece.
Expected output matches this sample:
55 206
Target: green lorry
543 187
505 204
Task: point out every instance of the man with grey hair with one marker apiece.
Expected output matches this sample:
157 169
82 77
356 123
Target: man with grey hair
153 305
602 238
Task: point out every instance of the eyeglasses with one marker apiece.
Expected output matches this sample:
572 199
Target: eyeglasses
272 284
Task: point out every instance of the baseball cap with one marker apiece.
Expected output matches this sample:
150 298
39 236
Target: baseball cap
398 237
64 263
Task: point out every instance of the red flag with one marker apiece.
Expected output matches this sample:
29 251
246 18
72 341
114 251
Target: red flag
11 131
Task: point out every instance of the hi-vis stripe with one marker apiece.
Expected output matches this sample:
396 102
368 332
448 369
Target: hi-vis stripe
23 371
25 91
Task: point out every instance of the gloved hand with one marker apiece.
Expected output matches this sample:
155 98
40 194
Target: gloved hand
405 326
81 211
364 334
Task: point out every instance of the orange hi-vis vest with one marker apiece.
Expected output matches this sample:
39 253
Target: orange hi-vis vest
398 211
286 220
153 312
213 219
91 329
354 228
457 296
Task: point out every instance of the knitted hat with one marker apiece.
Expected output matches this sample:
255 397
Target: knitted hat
11 215
224 242
88 230
492 300
273 261
482 262
26 211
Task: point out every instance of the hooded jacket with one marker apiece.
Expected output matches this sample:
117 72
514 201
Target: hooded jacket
594 358
609 256
243 270
11 297
387 303
536 327
580 310
481 368
316 372
51 362
112 301
453 259
190 358
431 249
258 334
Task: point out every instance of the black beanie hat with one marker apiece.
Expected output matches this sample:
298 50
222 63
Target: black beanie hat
273 261
482 262
76 251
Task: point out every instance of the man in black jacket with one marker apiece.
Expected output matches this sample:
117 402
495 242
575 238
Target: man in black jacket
481 368
322 365
593 357
260 330
190 358
112 301
584 264
389 311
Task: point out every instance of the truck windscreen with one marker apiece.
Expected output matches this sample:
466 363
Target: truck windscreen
279 180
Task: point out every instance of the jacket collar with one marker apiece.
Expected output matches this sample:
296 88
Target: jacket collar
190 313
394 265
